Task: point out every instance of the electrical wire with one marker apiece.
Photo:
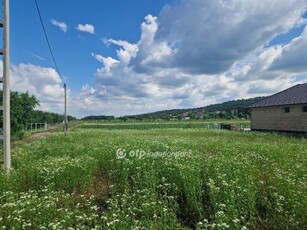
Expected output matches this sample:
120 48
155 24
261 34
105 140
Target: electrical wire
55 64
49 46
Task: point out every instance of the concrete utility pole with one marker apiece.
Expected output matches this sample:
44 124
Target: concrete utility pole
6 87
65 108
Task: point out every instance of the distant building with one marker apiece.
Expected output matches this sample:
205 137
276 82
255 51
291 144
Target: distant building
185 114
283 111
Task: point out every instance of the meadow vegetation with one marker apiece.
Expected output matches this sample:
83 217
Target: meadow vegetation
163 124
228 180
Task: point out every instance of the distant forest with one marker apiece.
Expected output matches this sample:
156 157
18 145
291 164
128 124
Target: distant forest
235 109
99 117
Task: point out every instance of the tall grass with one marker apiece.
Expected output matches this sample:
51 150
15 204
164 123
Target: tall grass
185 124
225 180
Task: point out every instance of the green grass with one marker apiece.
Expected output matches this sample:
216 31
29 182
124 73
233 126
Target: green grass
188 179
185 124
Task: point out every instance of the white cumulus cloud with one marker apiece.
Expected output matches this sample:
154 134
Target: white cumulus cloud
209 36
61 25
127 51
199 52
293 57
86 28
44 83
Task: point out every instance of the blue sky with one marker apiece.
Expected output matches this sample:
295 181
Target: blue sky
116 19
136 56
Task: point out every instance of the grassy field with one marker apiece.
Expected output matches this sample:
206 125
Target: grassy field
208 124
157 179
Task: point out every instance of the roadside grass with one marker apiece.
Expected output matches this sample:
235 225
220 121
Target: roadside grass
201 179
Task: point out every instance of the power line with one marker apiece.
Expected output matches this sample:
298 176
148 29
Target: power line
56 67
49 46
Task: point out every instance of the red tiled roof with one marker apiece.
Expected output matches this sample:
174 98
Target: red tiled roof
291 96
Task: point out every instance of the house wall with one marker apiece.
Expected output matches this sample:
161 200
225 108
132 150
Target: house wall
275 119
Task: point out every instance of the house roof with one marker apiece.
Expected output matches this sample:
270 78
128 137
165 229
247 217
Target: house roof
291 96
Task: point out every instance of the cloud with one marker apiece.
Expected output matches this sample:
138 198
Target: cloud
209 36
264 88
293 57
127 52
43 83
89 102
256 65
86 28
192 54
61 25
197 53
107 62
151 53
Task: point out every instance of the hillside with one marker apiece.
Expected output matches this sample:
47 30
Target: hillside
226 110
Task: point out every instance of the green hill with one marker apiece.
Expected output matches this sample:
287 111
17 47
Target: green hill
227 110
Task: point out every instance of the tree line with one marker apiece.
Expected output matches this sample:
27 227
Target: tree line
98 117
23 112
235 109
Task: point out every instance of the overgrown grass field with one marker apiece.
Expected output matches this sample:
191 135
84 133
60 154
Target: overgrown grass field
144 125
162 179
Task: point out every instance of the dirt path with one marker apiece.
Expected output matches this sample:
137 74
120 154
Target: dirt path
32 137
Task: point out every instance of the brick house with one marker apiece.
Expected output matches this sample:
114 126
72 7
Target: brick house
283 111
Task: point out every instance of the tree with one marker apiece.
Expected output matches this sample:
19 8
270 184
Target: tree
22 112
22 107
